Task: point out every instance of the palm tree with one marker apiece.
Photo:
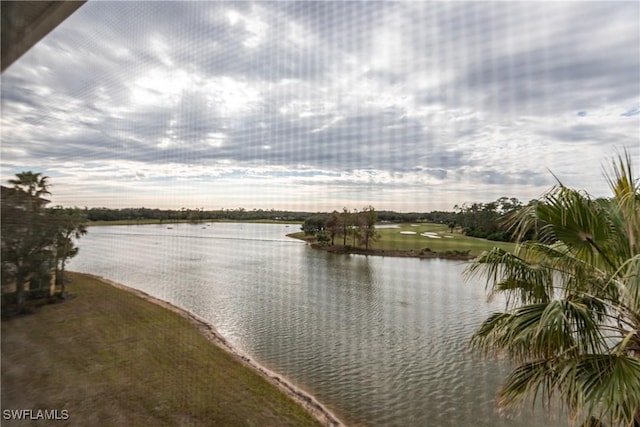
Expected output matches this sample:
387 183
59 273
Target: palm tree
572 317
34 184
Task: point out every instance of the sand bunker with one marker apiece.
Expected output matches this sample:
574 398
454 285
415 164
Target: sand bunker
408 232
431 235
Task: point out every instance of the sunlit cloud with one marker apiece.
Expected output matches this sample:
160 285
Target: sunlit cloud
319 105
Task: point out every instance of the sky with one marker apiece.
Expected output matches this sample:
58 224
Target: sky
316 106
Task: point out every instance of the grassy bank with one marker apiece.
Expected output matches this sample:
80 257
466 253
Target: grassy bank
110 357
441 241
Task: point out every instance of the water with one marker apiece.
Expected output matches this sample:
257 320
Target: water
379 341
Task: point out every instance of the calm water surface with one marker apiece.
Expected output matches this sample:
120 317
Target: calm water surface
380 341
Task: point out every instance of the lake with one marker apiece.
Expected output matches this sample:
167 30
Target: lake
379 341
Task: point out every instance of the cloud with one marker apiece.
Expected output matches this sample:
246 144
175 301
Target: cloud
631 112
463 100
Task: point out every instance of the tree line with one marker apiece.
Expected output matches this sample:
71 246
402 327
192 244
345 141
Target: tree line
487 220
37 241
242 214
477 219
191 214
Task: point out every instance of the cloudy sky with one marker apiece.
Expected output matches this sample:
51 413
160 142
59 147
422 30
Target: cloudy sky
411 106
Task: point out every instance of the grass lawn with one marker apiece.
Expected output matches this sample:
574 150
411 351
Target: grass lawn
407 237
111 358
392 238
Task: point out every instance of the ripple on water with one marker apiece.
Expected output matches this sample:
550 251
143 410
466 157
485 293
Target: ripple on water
380 341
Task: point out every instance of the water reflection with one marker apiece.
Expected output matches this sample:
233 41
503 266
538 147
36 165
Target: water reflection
380 341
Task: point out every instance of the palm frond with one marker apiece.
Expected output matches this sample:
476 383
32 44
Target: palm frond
580 223
626 190
610 386
629 286
521 222
528 383
541 331
605 387
507 273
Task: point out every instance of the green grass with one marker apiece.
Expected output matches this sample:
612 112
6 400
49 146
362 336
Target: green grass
391 239
112 358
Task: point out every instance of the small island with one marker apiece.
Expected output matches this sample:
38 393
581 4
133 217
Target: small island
359 232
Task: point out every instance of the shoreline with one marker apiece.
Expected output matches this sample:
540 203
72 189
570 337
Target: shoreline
422 254
309 403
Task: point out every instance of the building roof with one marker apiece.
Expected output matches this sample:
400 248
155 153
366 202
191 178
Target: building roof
24 23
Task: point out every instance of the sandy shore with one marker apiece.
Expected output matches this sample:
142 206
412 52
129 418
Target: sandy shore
308 402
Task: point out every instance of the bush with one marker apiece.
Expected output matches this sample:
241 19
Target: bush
497 236
457 252
323 238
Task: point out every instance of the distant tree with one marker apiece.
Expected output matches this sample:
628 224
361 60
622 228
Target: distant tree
313 225
344 224
487 220
194 215
354 227
367 219
506 205
333 226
